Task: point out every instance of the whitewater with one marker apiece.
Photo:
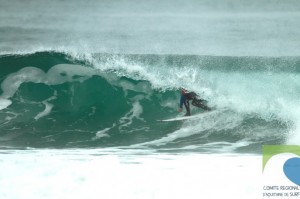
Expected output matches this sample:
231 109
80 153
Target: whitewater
83 85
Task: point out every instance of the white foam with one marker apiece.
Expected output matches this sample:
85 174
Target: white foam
115 174
46 112
215 121
62 73
224 147
12 82
142 87
267 95
4 103
102 133
48 107
294 134
135 112
58 74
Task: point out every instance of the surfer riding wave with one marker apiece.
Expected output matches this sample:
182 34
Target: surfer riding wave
185 99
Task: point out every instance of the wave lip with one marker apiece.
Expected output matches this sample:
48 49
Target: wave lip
54 99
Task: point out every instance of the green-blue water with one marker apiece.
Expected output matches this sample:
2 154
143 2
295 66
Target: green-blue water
57 100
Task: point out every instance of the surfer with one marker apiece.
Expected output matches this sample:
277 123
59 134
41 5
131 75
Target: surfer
186 97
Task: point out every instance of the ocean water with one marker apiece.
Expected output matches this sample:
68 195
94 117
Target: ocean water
83 84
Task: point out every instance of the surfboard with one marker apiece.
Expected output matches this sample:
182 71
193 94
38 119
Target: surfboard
182 118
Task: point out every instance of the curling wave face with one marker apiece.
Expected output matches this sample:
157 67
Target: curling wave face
58 100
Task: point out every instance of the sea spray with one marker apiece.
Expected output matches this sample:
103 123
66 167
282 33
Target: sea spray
116 100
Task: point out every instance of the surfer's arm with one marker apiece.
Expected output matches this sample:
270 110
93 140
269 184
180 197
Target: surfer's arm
182 98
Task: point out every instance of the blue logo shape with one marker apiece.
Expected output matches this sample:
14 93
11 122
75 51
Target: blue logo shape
291 170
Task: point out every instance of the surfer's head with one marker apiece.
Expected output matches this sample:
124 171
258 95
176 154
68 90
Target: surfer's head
183 91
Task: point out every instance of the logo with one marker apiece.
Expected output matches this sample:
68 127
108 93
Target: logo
291 166
281 171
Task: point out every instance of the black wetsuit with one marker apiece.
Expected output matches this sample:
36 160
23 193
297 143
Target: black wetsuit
191 96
